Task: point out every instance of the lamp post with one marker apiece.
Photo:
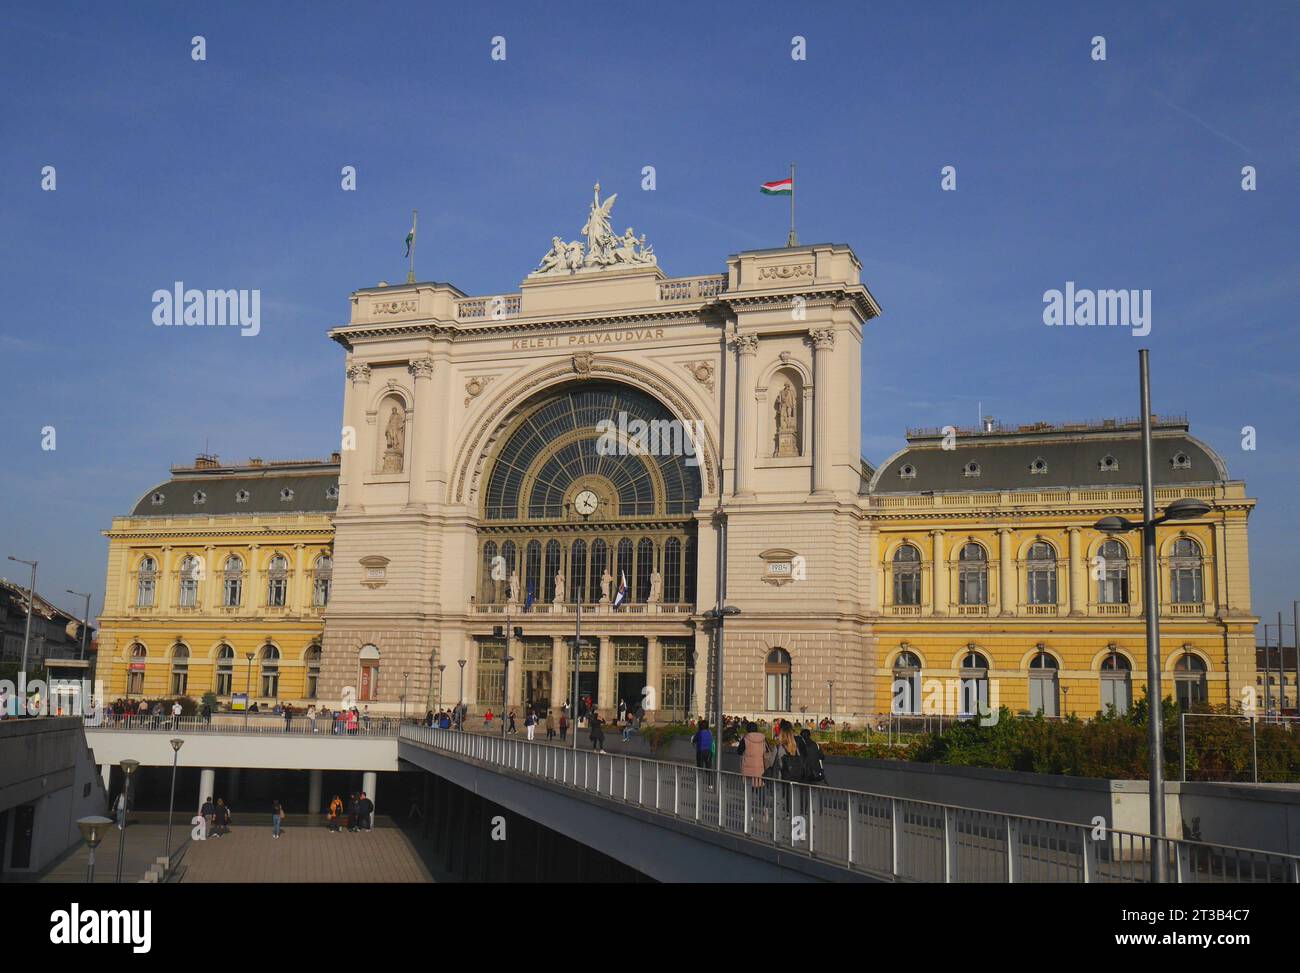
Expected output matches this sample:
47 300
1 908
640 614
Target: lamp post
129 767
176 743
441 669
27 633
92 830
406 678
830 686
1184 509
460 719
717 616
577 661
248 687
85 622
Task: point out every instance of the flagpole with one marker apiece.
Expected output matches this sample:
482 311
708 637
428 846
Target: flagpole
415 219
793 241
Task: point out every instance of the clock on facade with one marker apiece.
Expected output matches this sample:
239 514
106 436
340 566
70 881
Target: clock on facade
585 503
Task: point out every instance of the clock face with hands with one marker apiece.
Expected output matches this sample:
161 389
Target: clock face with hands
586 503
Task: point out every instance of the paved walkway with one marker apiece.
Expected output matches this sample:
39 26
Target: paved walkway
306 853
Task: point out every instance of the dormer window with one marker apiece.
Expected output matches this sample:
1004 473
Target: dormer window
157 499
200 497
285 495
971 469
907 472
1181 461
1108 464
242 496
1039 465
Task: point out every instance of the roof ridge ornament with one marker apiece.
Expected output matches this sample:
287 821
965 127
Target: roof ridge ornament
604 250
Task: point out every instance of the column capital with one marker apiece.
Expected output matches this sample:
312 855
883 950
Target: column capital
822 338
421 367
1074 530
746 344
358 372
937 532
1006 530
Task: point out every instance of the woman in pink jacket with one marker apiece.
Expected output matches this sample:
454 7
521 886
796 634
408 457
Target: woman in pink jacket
753 746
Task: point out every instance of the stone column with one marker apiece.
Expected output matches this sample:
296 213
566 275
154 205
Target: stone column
422 437
1006 572
253 584
823 340
1078 600
352 465
207 783
746 350
654 667
314 805
605 700
368 783
939 570
440 444
165 582
561 681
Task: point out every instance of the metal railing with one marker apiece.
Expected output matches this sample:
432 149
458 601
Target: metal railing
301 725
872 834
1230 747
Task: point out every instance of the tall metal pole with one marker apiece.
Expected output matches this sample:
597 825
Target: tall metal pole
27 635
1281 672
1295 647
505 682
460 704
1151 603
1268 690
171 804
793 240
721 519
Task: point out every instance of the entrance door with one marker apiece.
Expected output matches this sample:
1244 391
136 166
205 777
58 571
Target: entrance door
537 691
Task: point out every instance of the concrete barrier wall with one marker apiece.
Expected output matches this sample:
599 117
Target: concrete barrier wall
253 751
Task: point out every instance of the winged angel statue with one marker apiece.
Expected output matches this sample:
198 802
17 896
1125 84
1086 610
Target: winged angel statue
604 247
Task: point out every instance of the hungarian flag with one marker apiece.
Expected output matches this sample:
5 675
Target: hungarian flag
410 238
620 596
783 188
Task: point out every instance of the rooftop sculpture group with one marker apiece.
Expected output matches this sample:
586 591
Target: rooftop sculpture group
604 247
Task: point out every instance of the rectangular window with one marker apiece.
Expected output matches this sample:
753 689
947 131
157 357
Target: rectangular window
180 683
223 683
233 592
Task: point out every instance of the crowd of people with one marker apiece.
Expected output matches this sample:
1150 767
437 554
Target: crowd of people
356 815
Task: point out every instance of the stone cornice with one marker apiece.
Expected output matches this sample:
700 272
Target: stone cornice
184 536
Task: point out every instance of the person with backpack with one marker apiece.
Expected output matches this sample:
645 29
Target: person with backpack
789 765
597 732
530 723
814 766
277 815
703 740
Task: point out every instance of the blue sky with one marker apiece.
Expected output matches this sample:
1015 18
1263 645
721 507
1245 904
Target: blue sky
225 173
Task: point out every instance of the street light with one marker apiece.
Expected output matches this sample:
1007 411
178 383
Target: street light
129 767
406 678
27 632
441 668
92 830
718 616
177 743
460 718
1185 509
248 687
85 623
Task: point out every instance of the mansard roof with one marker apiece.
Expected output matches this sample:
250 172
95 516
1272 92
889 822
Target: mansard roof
996 457
209 488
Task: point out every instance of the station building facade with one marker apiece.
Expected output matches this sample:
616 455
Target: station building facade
609 447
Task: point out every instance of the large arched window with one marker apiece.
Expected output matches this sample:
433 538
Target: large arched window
312 660
578 572
277 581
777 671
973 575
270 664
180 669
906 695
1116 684
907 575
493 574
974 694
188 596
552 568
232 590
1044 686
672 571
135 672
225 670
146 582
1189 680
1040 574
645 565
1112 582
534 588
1185 573
323 580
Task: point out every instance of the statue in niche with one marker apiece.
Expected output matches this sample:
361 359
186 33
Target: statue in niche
559 587
787 422
606 580
394 441
514 588
656 588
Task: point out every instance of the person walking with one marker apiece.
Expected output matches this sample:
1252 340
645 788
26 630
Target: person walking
288 718
221 819
208 811
703 740
753 751
352 721
564 723
530 724
512 722
550 726
365 808
311 716
487 720
176 714
336 813
596 731
277 816
814 765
